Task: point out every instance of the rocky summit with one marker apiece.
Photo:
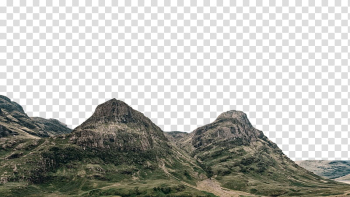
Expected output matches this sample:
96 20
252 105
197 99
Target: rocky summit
120 152
231 125
115 125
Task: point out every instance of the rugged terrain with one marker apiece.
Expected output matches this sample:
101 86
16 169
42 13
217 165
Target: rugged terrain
117 151
15 122
241 157
120 152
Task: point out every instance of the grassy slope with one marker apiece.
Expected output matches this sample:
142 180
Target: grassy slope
258 169
59 168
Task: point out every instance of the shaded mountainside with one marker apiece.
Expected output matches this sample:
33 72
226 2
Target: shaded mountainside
338 169
15 122
120 152
182 140
51 126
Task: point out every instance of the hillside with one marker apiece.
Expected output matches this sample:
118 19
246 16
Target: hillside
117 151
120 152
241 157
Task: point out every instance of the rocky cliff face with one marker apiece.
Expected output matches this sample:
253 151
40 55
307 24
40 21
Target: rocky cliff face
15 122
115 125
231 125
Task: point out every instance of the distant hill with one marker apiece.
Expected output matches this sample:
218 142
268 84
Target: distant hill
338 170
120 152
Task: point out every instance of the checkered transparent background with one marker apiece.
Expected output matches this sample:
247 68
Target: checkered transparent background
182 63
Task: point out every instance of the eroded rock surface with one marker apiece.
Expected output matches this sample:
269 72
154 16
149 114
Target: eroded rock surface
115 125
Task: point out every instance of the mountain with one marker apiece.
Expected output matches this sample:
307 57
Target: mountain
117 151
338 170
15 122
120 152
115 125
241 157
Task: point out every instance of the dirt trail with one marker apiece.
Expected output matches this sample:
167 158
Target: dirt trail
212 186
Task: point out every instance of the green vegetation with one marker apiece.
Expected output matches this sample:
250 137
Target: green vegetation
55 166
120 152
254 164
256 171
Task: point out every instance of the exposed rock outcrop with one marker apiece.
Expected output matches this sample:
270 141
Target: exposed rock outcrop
115 125
228 126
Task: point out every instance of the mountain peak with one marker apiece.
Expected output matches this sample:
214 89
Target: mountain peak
114 124
234 114
113 111
113 107
230 125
